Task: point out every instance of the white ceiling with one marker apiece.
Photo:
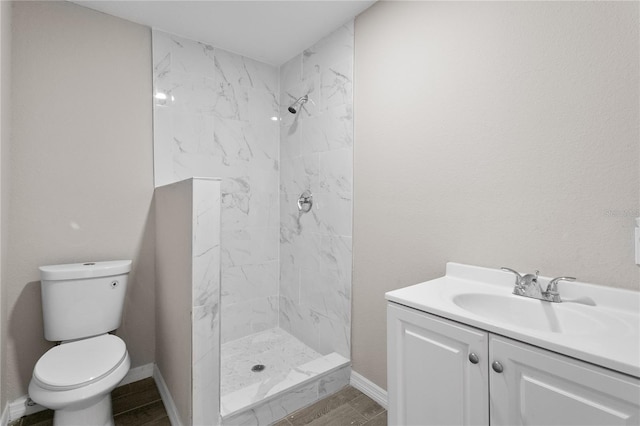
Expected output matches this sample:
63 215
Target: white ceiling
269 31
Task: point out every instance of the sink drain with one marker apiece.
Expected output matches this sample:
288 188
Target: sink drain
257 368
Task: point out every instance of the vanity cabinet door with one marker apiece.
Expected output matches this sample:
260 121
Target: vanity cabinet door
538 387
433 378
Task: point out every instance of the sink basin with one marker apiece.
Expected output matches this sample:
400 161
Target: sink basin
597 324
536 314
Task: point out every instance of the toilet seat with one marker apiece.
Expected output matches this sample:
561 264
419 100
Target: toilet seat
79 363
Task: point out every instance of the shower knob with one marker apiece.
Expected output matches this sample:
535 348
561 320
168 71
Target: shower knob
305 202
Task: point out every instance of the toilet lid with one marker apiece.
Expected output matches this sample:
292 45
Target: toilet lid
73 364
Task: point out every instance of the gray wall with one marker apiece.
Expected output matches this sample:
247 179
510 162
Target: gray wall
491 134
5 134
81 168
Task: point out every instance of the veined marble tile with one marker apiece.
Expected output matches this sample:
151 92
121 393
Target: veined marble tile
326 293
298 174
289 140
246 72
336 255
234 141
205 364
274 348
263 107
333 214
334 336
241 143
186 55
249 246
250 210
329 131
206 242
163 147
291 72
281 382
332 49
161 53
252 316
300 321
230 101
290 367
192 93
305 250
277 408
289 280
335 173
333 382
247 282
336 85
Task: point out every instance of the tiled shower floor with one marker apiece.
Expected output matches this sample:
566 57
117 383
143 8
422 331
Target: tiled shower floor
287 362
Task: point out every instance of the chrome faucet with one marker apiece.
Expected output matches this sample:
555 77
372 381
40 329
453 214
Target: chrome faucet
528 286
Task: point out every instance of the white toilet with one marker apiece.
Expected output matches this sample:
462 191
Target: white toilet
81 303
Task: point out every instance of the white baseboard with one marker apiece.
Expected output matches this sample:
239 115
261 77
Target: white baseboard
167 400
138 373
369 388
20 407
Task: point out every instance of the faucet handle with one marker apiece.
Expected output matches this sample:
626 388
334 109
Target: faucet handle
552 287
517 274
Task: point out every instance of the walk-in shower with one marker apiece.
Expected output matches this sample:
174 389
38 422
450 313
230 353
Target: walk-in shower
264 300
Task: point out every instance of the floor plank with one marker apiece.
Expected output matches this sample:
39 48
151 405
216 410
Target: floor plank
379 420
134 400
147 414
324 406
342 415
366 406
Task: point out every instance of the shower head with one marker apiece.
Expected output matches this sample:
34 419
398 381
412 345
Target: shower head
301 100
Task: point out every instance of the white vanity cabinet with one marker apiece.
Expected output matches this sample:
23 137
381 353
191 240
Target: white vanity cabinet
442 372
438 370
539 387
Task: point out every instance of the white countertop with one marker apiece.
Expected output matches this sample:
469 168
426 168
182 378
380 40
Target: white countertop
607 334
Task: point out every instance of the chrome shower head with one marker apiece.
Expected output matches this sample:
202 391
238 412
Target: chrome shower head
301 100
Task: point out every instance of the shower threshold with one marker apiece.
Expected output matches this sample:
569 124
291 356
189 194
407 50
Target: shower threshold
261 367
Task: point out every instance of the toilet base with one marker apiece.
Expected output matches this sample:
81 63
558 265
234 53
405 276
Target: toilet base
96 414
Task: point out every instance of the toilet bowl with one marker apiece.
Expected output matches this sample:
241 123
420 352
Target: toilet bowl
76 379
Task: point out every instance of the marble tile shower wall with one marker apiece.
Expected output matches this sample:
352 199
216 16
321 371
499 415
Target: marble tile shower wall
316 153
215 114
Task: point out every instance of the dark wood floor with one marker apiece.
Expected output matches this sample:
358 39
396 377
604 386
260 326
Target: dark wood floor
136 404
347 407
139 404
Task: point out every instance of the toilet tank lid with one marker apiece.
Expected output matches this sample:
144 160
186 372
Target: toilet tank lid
73 271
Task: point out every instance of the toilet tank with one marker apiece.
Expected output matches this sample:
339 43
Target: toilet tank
83 299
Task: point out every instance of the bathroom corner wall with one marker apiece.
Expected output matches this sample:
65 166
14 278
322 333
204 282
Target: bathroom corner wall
188 296
316 151
215 114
